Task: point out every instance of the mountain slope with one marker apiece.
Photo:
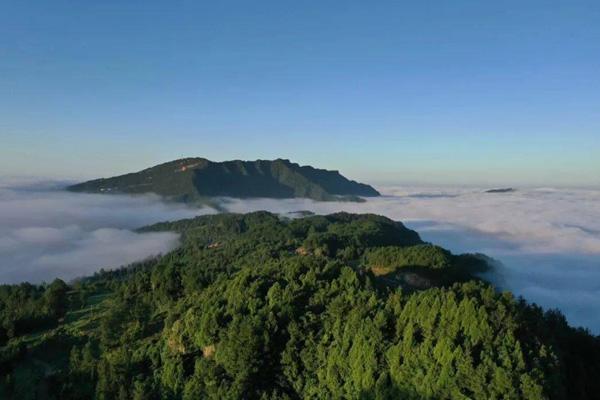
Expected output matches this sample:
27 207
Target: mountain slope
191 179
256 306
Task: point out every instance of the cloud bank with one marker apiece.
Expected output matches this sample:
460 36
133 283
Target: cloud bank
47 233
547 240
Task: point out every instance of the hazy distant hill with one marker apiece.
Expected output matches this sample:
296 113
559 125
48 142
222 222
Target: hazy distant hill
191 179
501 190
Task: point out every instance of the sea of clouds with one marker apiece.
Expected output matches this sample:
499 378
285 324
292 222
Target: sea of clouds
46 232
547 241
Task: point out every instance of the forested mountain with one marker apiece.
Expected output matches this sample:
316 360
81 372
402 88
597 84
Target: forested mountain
257 306
194 179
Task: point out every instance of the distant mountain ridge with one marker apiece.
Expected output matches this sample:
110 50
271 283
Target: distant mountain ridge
194 179
501 190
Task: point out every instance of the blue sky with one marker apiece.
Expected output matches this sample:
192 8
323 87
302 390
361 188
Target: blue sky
460 92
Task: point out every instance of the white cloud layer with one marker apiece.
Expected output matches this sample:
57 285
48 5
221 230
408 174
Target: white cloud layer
47 233
548 240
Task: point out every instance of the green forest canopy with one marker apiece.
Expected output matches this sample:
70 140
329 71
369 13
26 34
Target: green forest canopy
260 307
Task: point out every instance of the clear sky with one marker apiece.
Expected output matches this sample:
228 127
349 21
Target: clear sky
456 92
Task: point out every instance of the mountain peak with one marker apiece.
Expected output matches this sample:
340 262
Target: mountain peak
195 178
